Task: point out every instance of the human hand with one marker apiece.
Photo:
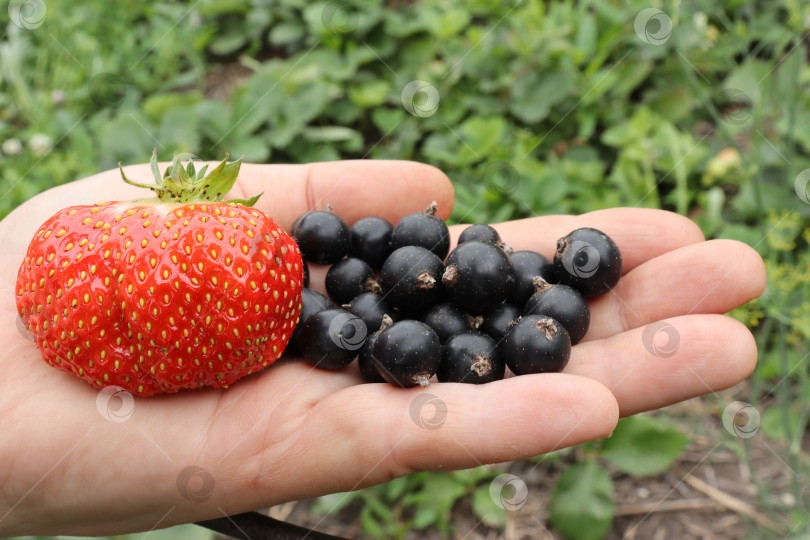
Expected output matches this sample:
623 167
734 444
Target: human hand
293 431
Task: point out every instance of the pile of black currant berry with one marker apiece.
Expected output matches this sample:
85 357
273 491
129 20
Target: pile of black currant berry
408 310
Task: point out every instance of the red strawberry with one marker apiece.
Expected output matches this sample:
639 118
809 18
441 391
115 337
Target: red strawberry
156 295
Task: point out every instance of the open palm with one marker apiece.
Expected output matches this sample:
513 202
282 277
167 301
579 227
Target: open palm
73 463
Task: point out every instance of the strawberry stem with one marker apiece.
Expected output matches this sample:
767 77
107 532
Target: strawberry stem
186 185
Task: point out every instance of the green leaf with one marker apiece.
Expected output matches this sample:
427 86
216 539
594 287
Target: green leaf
396 487
435 500
674 160
472 477
254 149
387 119
533 95
441 148
286 33
773 422
582 505
153 165
380 509
333 503
671 103
329 134
303 151
330 64
630 75
742 233
587 33
303 103
127 139
213 119
370 94
401 24
447 22
485 508
186 532
221 7
479 137
178 129
643 446
370 525
632 129
159 104
228 43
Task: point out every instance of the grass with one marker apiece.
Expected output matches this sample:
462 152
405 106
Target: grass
530 107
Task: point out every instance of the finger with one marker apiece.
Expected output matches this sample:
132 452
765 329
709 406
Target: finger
640 233
668 361
354 189
709 277
372 433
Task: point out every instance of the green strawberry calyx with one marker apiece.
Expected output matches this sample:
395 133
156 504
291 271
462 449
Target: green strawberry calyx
188 185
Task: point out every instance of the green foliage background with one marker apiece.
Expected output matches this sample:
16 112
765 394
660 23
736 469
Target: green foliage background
530 107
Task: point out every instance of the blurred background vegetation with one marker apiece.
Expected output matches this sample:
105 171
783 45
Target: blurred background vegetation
530 107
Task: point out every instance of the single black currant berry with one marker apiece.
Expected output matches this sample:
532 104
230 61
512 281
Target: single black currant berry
528 265
370 308
563 304
479 276
365 360
371 240
480 232
408 353
447 319
331 338
423 229
471 357
483 233
589 261
499 321
349 277
410 278
536 344
312 302
322 236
